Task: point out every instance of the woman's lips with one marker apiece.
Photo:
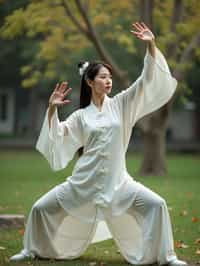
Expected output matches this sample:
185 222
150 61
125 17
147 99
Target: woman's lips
108 87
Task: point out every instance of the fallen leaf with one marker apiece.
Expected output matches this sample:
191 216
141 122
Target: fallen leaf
93 263
184 213
184 246
197 241
195 219
21 232
180 244
197 251
106 252
2 248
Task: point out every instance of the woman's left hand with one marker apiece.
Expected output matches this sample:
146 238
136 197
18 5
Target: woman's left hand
143 32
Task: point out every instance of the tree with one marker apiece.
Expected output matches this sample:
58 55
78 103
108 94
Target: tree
62 26
180 47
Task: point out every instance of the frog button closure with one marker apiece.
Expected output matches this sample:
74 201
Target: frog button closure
99 201
99 186
103 129
104 154
103 170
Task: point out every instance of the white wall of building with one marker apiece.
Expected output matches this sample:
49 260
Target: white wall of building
182 125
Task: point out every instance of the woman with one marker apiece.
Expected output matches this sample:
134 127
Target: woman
63 222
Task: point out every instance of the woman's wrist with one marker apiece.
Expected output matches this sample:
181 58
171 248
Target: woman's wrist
151 46
51 110
152 43
52 106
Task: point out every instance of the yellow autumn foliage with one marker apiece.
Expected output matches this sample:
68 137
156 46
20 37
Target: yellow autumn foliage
58 38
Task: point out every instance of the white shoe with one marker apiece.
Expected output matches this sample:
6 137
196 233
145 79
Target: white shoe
177 262
21 256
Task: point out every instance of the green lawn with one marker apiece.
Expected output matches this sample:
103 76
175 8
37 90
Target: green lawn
25 176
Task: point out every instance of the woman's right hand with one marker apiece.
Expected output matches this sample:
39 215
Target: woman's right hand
57 98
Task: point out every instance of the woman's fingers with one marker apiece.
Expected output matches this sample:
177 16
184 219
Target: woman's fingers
63 86
144 25
60 92
60 103
65 102
66 92
138 26
135 32
56 87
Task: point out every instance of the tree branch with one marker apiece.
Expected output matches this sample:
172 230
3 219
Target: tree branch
177 14
74 19
177 17
93 36
187 55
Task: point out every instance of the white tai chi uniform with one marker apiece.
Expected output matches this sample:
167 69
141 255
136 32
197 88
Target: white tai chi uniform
63 222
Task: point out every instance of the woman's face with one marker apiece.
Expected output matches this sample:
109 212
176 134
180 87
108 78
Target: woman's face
102 83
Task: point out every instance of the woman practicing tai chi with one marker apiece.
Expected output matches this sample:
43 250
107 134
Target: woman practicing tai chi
63 222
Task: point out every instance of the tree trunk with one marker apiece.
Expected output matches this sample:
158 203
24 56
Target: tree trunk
146 12
153 126
153 129
154 161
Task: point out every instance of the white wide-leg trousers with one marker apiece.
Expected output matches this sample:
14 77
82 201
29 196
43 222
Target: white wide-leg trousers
143 234
52 233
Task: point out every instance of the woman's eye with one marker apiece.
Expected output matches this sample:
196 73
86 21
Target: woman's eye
104 77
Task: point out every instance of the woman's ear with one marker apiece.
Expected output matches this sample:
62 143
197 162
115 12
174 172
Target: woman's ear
89 83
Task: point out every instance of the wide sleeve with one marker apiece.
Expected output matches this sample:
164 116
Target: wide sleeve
60 143
153 88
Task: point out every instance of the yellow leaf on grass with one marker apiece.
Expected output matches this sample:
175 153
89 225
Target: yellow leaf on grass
184 213
92 263
197 251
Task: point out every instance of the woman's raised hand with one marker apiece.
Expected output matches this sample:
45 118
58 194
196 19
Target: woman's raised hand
141 31
57 98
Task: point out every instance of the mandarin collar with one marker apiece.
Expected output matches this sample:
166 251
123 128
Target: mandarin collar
105 100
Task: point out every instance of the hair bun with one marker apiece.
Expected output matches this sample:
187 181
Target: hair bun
83 65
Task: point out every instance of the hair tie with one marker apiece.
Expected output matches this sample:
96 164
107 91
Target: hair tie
83 68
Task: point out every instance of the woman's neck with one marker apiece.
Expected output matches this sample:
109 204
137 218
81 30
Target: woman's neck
98 100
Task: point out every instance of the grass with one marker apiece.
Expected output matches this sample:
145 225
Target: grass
25 176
